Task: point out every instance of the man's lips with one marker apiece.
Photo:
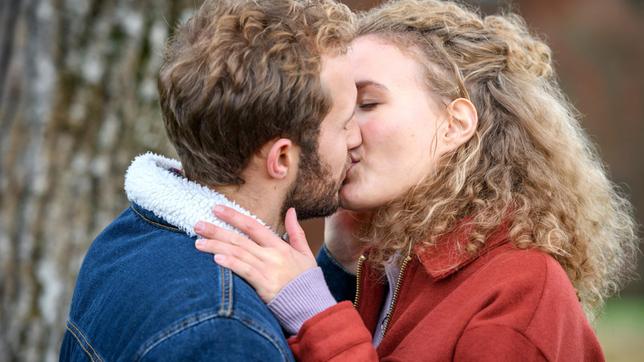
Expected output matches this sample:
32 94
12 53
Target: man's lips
347 172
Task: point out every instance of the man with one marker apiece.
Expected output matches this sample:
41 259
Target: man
258 100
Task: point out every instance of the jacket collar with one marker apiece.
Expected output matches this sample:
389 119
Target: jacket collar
450 254
152 182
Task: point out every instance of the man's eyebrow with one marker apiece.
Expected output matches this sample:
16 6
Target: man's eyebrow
365 83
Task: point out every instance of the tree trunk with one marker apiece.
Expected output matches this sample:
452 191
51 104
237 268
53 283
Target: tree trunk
78 100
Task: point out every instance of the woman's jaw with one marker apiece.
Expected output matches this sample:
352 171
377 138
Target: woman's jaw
363 190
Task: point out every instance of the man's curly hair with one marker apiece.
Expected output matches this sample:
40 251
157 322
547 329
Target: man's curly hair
240 73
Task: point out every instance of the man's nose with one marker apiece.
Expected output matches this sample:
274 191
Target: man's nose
354 137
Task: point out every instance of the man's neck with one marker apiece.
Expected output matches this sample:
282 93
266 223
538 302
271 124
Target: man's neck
263 203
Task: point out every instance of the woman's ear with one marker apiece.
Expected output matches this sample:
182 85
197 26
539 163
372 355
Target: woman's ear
462 123
281 158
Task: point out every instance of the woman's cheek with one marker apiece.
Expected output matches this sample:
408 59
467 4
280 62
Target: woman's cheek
372 129
387 148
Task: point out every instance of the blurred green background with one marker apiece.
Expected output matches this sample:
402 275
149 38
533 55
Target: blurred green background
78 101
621 329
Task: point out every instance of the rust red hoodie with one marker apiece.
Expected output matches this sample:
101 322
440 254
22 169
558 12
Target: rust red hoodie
501 304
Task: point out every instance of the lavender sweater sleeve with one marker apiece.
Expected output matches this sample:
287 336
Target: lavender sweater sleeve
301 299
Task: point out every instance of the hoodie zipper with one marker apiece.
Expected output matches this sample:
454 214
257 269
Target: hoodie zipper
361 260
394 299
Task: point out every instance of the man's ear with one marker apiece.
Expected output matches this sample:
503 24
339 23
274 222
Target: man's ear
462 123
281 158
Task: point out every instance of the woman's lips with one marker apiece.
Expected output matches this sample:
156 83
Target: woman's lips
350 171
354 159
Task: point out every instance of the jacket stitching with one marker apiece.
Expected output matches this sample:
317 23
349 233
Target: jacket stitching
193 321
249 323
351 347
85 339
225 281
490 263
230 302
80 343
519 332
221 291
73 329
145 218
543 287
174 328
534 312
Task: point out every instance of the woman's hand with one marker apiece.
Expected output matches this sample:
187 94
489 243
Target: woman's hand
339 237
265 261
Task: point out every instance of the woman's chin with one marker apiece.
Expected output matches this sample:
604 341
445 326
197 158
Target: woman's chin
351 198
348 199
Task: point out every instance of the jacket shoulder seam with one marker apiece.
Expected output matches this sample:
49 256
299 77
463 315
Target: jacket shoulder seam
226 286
516 330
540 299
84 343
543 266
195 320
154 223
175 328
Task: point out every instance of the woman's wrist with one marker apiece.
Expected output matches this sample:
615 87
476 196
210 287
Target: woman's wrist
301 299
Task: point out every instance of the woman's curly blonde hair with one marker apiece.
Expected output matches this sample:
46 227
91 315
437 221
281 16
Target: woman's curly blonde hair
530 163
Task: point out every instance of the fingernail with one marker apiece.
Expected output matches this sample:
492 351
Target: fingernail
218 209
219 258
200 242
200 227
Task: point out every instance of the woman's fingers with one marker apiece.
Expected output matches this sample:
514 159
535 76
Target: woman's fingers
263 275
212 231
246 224
209 231
296 235
228 250
264 260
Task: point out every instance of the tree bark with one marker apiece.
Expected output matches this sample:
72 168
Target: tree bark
78 100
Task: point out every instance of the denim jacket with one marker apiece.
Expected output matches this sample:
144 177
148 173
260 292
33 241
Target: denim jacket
144 293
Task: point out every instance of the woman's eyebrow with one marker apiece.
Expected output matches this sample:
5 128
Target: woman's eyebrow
365 83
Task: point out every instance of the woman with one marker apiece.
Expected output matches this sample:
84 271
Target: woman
490 224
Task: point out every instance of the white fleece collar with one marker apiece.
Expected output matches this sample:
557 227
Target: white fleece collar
150 183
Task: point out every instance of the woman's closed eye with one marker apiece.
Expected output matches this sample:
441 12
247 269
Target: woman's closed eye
367 106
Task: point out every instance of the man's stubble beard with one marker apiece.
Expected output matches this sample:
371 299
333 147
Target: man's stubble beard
315 192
